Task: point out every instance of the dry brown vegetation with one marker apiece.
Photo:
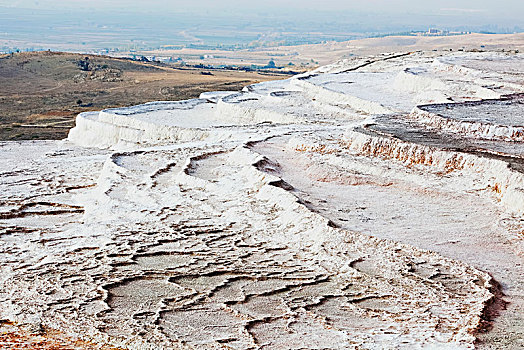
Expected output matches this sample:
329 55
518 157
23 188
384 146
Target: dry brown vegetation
42 92
14 337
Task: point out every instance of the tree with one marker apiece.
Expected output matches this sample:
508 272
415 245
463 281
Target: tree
84 64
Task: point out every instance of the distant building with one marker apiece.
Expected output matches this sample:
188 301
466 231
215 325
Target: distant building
435 32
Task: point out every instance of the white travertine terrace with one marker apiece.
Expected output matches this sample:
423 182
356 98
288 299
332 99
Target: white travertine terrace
492 120
371 204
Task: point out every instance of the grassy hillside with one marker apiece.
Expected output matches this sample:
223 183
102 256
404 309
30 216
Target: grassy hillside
42 92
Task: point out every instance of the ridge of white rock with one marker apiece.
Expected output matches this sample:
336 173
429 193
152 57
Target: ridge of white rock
329 209
493 174
489 119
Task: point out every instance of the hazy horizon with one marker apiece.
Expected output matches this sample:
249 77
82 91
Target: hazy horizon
481 8
123 24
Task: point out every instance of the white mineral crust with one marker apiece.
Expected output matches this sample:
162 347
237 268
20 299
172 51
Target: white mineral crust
374 203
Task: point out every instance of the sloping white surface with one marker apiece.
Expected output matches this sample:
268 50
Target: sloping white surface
170 225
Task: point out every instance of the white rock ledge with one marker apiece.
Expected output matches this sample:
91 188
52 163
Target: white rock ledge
173 225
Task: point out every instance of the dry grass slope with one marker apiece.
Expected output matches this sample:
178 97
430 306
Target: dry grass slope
42 92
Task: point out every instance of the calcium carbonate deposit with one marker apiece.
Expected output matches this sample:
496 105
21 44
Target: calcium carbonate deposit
375 203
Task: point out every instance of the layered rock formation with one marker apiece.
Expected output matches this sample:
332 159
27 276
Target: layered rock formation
372 204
